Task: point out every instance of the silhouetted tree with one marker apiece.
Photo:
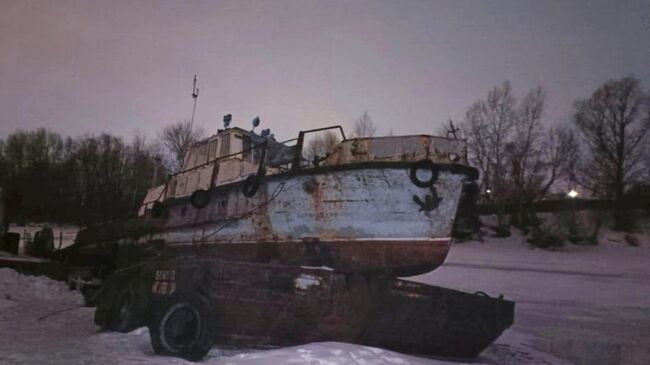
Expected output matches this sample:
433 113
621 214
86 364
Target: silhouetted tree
614 123
519 159
177 139
81 180
488 126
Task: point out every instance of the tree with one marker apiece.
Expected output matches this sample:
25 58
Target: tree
614 123
538 158
488 126
321 145
559 152
364 126
524 152
177 139
519 159
81 180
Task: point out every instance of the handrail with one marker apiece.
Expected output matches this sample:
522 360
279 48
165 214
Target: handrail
297 157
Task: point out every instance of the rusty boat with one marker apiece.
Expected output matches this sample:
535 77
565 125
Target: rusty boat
255 243
382 204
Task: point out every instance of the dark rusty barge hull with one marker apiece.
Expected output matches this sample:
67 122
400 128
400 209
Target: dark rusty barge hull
259 305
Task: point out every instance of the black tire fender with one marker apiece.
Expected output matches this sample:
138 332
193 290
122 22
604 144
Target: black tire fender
250 186
423 165
157 209
183 325
200 199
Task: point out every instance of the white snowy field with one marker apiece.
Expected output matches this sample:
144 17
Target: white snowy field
583 305
587 305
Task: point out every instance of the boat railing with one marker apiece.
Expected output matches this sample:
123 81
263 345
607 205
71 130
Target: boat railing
297 159
297 149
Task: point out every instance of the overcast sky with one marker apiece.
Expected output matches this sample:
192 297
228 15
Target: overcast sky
124 66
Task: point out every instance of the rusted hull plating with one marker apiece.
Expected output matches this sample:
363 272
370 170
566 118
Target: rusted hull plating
403 258
262 305
360 219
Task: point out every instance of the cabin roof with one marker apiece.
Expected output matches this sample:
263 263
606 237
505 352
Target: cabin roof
229 130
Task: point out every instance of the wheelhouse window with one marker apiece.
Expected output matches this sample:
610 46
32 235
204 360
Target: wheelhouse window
198 155
213 150
246 148
225 145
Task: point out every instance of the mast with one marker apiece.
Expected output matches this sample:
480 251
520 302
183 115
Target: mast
195 96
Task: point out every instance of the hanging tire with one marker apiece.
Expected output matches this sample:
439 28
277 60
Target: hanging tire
157 209
250 186
183 326
200 199
128 311
423 165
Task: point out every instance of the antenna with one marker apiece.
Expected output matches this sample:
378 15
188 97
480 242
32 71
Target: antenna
195 95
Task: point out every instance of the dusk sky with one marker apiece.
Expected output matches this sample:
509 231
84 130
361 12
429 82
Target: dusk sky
79 67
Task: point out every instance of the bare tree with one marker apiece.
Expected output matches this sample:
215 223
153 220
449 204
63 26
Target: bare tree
321 145
488 126
177 139
614 123
519 159
364 126
538 158
559 152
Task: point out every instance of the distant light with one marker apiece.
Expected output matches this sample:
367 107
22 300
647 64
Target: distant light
572 194
488 191
453 157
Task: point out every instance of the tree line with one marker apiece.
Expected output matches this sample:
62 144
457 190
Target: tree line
602 151
522 156
47 177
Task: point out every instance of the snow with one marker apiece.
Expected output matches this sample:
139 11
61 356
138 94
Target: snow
23 288
305 281
584 305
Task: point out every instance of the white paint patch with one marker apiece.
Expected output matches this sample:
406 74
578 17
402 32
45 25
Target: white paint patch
304 281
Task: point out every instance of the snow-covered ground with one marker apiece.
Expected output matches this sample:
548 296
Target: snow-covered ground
589 305
583 305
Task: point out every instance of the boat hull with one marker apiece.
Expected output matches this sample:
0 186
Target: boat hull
397 258
368 218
